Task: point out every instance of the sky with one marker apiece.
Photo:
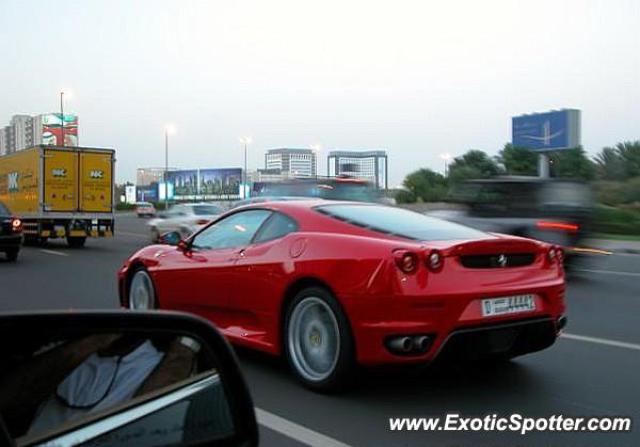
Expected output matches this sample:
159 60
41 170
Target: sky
416 78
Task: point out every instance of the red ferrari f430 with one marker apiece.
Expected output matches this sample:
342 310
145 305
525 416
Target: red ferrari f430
331 285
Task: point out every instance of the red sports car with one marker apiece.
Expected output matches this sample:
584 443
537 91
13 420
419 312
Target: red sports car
331 284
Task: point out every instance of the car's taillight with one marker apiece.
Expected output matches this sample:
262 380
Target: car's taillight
407 261
555 254
562 226
202 221
16 225
434 260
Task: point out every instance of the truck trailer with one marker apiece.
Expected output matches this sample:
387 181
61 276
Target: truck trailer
60 192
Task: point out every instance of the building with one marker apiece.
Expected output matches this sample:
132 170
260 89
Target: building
369 165
25 131
148 176
291 162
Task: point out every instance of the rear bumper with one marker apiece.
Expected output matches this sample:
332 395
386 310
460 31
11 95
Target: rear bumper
10 242
451 321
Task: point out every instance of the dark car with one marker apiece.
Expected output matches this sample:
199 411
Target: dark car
10 233
550 210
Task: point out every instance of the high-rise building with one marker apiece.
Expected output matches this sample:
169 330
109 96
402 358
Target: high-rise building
147 176
25 131
367 165
292 162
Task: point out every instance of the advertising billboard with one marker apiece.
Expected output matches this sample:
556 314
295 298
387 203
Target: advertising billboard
51 125
549 131
220 183
147 193
185 183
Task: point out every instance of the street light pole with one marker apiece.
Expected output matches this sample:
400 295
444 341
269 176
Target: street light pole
245 141
166 169
62 115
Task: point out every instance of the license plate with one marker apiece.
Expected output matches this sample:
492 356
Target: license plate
508 305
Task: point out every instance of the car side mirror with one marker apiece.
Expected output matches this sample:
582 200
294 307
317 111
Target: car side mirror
171 238
120 378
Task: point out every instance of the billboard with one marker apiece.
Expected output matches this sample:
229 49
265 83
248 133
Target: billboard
147 193
185 183
220 183
51 126
204 184
549 131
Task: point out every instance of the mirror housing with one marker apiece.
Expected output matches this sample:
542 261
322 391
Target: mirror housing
30 344
171 238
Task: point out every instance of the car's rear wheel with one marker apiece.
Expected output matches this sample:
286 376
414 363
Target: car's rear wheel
318 341
12 255
142 295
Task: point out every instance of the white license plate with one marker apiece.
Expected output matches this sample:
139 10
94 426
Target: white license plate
508 305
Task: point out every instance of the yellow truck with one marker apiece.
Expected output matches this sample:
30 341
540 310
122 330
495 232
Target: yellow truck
60 192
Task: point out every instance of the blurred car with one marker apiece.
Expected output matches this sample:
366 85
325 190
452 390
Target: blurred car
10 233
330 284
331 188
550 210
184 218
145 209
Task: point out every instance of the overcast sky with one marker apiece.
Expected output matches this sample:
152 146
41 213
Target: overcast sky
417 78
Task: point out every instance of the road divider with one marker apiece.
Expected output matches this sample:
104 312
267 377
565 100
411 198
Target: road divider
602 341
608 272
296 431
53 252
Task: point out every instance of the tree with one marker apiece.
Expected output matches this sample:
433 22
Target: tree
609 164
473 164
630 154
425 184
572 163
518 161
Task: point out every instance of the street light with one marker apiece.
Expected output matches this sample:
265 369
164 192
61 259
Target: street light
169 129
446 157
62 93
245 141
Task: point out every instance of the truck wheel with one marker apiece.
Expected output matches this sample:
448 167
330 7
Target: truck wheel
12 255
34 241
76 242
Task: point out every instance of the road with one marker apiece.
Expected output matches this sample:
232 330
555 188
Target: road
593 371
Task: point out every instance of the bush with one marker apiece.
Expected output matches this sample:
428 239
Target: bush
612 220
404 196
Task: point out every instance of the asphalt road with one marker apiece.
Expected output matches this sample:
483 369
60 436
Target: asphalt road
593 371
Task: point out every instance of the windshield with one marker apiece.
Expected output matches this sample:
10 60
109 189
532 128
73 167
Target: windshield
400 222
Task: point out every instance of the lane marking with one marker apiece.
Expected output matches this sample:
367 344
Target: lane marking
127 233
608 272
52 252
295 431
602 341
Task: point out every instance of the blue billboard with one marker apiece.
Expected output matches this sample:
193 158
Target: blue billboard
220 183
549 131
185 183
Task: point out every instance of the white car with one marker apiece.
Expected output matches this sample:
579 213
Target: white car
184 218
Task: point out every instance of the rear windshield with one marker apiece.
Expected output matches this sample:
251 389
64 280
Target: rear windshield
206 210
399 222
143 204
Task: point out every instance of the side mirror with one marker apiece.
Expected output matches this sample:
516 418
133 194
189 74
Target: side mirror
120 378
171 238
